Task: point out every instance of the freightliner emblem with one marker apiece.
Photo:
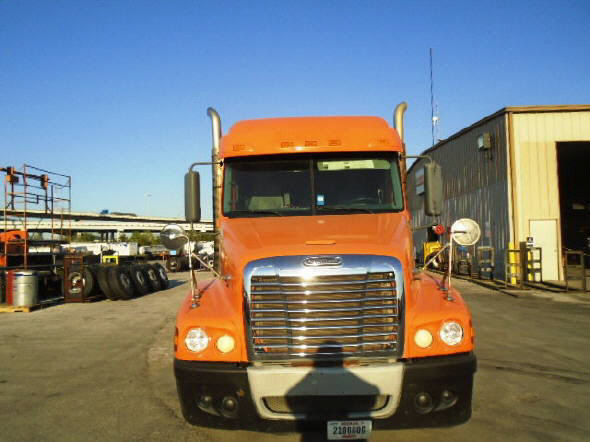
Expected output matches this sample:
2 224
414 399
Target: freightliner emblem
322 261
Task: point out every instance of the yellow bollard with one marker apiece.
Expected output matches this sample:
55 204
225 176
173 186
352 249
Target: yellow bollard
512 262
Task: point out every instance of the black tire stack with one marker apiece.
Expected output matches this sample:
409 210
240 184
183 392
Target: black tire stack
124 282
181 264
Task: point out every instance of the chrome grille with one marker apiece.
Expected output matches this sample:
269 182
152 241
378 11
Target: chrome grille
298 312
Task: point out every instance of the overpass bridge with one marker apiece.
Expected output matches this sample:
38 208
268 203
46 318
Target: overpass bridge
109 226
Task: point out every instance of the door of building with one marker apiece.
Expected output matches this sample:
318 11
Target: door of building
544 233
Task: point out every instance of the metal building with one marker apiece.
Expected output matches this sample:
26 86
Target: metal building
521 173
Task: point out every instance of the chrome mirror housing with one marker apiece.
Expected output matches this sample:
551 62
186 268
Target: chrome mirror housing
173 237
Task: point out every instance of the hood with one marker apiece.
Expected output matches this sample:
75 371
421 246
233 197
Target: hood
247 239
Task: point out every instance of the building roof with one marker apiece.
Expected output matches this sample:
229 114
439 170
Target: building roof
309 134
505 110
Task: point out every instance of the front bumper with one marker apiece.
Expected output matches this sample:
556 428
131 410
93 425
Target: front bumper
426 392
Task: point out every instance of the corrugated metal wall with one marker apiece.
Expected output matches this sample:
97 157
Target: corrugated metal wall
535 181
475 186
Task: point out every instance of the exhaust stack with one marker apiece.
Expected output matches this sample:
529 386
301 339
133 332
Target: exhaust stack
398 120
216 176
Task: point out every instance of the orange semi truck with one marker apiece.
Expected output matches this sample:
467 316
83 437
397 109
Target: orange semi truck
317 314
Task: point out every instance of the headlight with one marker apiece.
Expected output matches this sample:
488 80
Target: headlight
451 333
225 344
423 338
196 340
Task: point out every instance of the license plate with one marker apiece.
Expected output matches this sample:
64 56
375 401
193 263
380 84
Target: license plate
347 430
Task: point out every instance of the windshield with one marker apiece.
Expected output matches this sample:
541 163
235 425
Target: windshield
325 184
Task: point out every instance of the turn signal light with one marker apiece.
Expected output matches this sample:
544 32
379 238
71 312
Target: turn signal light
225 344
423 338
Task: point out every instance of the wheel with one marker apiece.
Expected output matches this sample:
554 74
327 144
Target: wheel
172 264
435 264
104 284
2 288
139 279
88 282
161 272
183 263
81 283
93 269
152 278
198 265
120 282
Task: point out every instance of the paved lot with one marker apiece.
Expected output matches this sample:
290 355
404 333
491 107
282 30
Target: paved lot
103 371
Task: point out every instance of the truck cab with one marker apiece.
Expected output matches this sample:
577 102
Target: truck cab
317 313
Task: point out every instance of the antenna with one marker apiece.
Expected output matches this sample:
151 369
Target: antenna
433 106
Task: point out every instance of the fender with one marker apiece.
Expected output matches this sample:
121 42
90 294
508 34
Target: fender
429 311
218 314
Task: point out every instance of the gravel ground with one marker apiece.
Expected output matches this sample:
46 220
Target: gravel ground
103 371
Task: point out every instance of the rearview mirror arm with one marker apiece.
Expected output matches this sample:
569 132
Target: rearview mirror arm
190 169
426 157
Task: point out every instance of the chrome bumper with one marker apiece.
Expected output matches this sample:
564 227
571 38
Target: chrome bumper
283 381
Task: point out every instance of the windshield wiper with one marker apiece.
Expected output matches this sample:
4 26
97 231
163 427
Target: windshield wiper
256 212
345 209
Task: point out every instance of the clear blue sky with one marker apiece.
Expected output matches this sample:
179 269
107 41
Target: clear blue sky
114 92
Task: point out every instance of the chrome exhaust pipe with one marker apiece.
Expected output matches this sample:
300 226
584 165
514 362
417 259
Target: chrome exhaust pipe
216 128
216 176
398 119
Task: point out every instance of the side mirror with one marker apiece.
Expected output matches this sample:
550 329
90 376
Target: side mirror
433 184
192 197
173 237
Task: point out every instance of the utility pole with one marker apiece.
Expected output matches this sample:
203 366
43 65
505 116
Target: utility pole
433 107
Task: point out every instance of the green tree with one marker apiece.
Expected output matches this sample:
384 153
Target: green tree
35 236
84 237
144 238
201 236
123 237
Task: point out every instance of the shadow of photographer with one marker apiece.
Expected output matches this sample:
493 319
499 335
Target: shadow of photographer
328 392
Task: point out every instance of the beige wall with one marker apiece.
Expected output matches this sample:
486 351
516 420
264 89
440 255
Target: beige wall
534 164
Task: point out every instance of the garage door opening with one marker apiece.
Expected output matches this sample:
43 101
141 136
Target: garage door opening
573 167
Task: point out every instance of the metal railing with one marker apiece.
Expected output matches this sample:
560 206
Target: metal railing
534 263
486 259
513 273
576 269
33 189
523 265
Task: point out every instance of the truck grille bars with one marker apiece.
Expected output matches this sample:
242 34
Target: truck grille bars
324 311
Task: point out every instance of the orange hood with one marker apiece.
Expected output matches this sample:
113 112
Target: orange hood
248 239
